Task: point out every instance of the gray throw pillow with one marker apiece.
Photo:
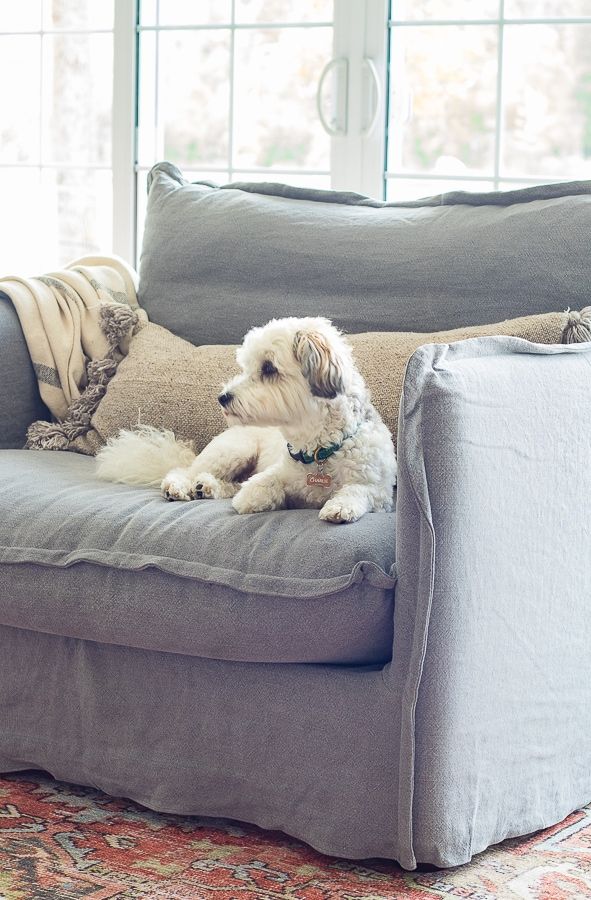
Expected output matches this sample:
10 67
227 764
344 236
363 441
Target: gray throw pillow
217 260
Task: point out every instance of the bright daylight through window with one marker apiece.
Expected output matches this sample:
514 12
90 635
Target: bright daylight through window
397 99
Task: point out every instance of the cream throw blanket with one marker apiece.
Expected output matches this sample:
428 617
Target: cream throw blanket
60 314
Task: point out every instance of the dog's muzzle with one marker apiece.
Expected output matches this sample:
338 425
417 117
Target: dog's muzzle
225 399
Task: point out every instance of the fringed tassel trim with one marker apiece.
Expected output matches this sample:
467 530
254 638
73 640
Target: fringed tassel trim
578 326
118 322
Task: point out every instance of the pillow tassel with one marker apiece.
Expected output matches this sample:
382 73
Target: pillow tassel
578 326
118 323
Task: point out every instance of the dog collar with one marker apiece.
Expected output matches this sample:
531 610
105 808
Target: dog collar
320 453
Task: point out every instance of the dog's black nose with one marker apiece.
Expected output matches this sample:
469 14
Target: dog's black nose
224 399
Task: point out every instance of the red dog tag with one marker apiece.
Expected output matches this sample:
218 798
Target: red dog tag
318 479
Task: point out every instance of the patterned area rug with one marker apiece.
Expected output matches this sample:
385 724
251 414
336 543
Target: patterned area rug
60 842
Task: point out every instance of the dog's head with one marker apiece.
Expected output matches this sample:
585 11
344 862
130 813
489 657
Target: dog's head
289 367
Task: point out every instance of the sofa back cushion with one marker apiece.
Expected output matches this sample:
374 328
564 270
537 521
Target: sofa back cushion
216 261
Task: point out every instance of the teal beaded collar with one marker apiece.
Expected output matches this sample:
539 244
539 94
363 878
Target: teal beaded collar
319 455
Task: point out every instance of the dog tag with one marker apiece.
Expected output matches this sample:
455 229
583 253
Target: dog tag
317 478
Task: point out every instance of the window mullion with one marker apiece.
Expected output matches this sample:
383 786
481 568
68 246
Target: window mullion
124 128
232 78
499 104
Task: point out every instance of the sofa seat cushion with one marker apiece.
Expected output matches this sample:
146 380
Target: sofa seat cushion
83 558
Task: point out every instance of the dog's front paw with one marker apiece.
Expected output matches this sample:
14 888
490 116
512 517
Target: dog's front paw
206 487
341 511
249 502
255 497
177 486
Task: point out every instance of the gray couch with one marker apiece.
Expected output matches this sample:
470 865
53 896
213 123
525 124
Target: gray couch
412 686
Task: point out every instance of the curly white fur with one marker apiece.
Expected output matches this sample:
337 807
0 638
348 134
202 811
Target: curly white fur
298 384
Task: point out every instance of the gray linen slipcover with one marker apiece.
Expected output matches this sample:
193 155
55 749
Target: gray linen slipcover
493 592
121 565
480 726
21 402
474 724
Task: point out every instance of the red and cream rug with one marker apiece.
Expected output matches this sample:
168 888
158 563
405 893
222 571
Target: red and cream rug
60 842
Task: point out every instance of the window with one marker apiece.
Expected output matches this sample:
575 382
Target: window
227 90
397 99
56 65
487 94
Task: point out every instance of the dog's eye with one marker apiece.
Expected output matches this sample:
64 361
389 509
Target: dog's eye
268 369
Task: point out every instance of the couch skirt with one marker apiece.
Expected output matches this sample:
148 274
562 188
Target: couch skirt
305 749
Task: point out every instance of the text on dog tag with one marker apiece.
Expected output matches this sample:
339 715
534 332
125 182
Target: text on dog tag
318 479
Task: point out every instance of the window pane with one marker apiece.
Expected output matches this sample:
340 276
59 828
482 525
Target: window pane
309 181
275 119
445 9
188 12
547 101
55 216
78 212
77 98
142 202
284 11
537 9
147 148
78 13
193 97
443 99
400 189
148 12
22 16
22 224
20 110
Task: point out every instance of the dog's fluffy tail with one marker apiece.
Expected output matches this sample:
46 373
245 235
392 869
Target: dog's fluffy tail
142 456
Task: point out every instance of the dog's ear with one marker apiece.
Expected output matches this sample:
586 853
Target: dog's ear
320 364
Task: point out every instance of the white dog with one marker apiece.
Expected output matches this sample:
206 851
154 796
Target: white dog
303 433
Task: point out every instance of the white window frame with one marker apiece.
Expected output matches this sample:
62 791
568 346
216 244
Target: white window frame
41 164
500 21
357 150
358 128
358 153
124 125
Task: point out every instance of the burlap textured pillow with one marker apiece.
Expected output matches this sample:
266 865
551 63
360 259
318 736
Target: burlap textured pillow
167 382
382 356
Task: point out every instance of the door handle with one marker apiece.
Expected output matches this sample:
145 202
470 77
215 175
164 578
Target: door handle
370 67
337 124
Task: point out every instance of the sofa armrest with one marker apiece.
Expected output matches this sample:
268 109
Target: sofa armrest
493 601
20 402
